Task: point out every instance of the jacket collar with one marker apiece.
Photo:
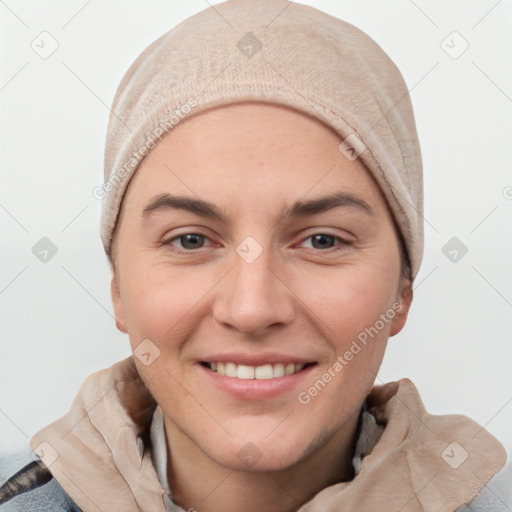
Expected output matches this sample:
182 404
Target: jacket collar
415 461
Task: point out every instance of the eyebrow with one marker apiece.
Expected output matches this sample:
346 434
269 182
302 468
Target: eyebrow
323 204
298 209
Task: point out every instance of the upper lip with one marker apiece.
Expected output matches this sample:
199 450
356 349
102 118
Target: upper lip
255 359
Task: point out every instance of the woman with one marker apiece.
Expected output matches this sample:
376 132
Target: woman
263 217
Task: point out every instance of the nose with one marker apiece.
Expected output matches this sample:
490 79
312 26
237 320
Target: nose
253 297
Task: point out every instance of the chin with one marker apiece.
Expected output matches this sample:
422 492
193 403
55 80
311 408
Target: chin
279 451
250 458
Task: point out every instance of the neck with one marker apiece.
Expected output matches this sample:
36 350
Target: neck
199 482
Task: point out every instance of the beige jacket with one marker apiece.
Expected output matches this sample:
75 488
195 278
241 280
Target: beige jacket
100 452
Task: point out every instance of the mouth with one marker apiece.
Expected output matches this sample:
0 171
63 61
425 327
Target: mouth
256 377
262 372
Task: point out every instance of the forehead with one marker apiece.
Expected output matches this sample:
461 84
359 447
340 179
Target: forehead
246 153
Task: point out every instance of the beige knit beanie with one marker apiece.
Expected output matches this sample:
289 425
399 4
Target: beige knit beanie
279 52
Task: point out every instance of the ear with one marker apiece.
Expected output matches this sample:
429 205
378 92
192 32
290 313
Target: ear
401 306
118 305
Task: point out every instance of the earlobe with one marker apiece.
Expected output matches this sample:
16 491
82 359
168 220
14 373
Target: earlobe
118 305
404 301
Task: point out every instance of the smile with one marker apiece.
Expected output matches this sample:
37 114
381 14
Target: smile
263 372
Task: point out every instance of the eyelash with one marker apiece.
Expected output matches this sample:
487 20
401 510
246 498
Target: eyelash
343 243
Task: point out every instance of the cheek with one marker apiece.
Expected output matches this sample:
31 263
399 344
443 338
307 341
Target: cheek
161 302
353 308
163 305
349 299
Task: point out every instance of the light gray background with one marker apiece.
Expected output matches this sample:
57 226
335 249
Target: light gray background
56 324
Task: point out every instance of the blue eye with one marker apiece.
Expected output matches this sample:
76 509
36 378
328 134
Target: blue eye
190 241
323 241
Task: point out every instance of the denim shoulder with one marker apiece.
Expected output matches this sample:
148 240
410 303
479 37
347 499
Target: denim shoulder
33 488
50 497
496 496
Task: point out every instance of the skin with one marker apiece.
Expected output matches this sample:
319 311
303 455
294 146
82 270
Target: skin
298 298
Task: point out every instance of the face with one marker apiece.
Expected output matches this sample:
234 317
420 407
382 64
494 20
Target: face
265 268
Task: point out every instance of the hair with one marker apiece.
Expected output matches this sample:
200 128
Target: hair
405 262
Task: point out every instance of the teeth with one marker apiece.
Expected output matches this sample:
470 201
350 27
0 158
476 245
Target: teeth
289 369
245 372
264 372
278 370
230 370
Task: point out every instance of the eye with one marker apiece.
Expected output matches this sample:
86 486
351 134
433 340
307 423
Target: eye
188 241
322 241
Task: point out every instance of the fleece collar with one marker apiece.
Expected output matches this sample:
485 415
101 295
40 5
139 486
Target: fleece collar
100 452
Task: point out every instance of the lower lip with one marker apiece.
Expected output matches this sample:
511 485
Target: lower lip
256 389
